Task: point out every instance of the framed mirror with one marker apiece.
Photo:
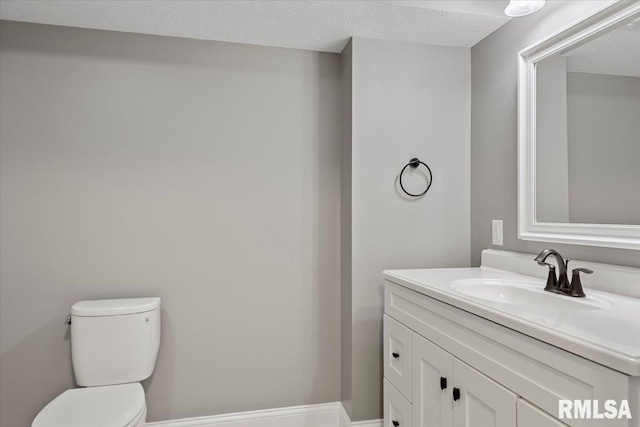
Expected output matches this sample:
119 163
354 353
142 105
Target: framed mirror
579 132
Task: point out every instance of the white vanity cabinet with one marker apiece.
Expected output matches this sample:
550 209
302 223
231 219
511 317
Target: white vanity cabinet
445 391
444 366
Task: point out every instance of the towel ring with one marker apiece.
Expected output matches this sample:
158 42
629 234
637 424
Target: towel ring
414 163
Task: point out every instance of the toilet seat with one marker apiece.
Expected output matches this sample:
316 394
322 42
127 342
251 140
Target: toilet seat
106 406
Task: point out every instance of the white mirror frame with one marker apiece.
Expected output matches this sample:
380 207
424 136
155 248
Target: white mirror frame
604 235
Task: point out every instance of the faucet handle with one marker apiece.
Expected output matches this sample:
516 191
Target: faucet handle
576 283
552 280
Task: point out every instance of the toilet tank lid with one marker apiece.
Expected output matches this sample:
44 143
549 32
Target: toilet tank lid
114 307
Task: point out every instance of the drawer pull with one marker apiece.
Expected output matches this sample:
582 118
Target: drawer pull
395 423
456 393
395 355
443 383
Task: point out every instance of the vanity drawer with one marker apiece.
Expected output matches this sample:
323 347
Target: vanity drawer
397 410
397 355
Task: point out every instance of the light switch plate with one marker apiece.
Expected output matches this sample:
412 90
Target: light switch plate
496 232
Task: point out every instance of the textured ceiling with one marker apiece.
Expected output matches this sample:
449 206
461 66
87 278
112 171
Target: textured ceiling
476 7
615 53
322 25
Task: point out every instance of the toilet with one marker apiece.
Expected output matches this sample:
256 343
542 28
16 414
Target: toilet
114 346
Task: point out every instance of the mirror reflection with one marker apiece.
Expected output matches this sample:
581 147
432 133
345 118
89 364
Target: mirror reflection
588 131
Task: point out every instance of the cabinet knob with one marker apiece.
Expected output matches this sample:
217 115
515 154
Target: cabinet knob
395 423
443 383
395 355
456 393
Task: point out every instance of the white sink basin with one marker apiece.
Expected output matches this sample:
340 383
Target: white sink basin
524 294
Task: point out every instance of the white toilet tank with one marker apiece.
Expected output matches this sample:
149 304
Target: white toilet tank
114 341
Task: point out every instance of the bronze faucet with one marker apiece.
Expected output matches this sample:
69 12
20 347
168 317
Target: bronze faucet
561 284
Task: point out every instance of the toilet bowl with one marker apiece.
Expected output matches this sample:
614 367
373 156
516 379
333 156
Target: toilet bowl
108 406
114 346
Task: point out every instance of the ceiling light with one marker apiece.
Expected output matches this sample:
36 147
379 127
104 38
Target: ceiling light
518 8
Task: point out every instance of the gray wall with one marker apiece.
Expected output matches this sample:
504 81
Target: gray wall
493 133
408 100
204 173
346 60
604 148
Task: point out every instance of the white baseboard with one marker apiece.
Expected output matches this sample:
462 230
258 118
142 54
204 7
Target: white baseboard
343 417
322 415
345 421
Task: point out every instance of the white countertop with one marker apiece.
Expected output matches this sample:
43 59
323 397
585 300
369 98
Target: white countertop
609 336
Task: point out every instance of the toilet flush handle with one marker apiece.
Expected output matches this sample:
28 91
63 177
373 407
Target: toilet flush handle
68 321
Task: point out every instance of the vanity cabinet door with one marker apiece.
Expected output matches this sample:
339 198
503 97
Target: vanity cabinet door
432 384
530 416
480 401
